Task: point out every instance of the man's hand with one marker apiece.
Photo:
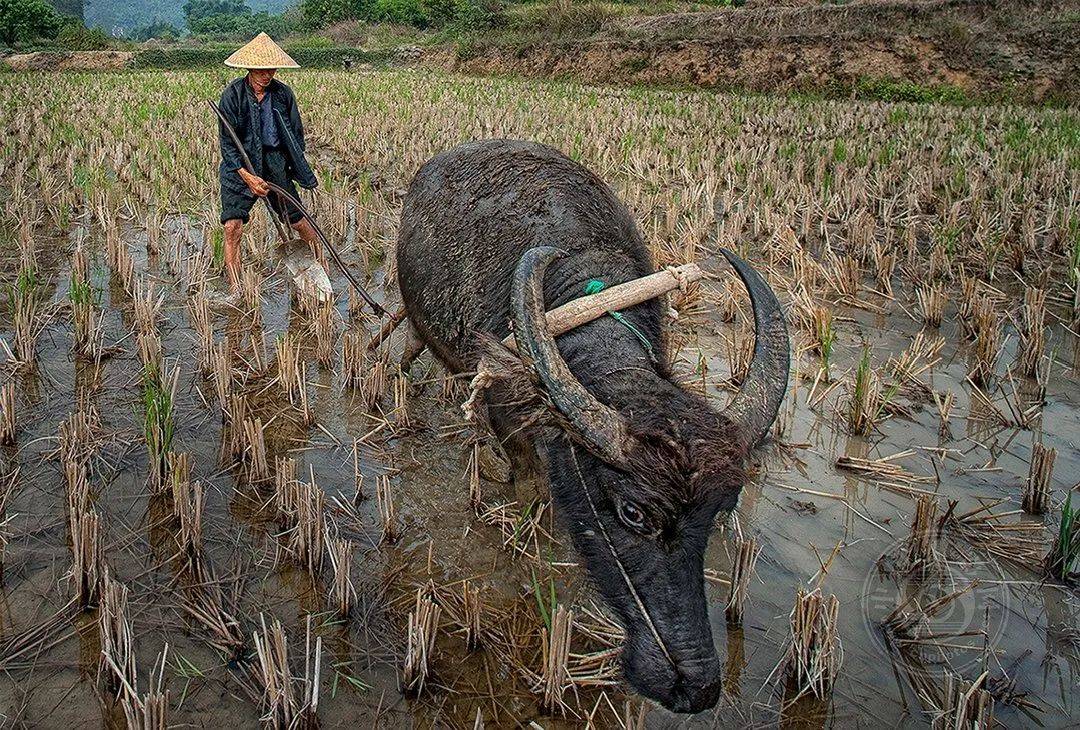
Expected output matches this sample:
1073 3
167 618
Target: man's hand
255 183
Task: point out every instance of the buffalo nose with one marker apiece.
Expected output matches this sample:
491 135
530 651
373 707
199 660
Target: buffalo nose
698 692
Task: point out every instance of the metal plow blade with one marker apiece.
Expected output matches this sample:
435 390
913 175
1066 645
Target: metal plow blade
307 273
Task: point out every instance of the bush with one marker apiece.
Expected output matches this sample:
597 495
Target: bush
478 14
313 42
22 21
324 12
214 56
158 29
886 89
249 24
402 12
77 37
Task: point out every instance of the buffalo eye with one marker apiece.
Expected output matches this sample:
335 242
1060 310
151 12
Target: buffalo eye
632 516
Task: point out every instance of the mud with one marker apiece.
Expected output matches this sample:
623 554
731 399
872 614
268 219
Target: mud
981 48
816 523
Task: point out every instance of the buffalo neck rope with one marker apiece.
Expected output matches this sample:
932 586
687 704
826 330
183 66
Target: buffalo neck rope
615 556
595 286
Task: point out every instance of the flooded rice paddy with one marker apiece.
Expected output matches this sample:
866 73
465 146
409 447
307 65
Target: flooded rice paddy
871 221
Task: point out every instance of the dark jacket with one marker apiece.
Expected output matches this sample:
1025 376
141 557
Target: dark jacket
239 106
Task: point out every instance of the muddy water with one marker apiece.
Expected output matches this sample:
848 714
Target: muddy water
1030 628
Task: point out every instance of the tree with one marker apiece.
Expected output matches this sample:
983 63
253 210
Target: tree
324 12
195 10
27 20
156 29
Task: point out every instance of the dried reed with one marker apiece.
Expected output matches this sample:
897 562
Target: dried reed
402 420
202 324
117 640
814 654
742 570
353 359
358 475
472 609
555 674
87 550
986 328
423 626
1037 491
288 362
8 414
965 706
325 326
1032 343
256 466
151 710
222 373
472 470
342 591
284 704
188 502
7 487
944 407
920 547
931 300
384 499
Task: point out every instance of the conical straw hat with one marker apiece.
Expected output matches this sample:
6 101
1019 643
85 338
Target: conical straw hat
261 52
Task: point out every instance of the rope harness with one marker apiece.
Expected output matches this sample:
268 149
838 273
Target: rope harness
595 286
622 570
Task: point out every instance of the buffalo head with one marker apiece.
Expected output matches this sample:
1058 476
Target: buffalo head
639 488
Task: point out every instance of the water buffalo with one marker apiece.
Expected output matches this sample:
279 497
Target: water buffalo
498 231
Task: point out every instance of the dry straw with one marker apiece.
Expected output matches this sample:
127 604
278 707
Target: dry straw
1032 343
288 362
256 466
151 710
931 300
423 626
117 640
87 556
188 502
814 654
202 324
358 475
1037 490
555 674
965 706
8 413
944 405
325 325
920 548
353 359
384 498
7 489
742 570
342 591
286 701
472 609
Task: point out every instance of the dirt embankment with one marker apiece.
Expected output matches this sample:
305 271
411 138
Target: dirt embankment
69 60
1025 50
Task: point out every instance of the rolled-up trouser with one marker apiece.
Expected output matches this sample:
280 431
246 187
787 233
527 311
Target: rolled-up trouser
237 205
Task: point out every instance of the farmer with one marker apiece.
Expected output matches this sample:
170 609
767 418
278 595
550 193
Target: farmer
263 112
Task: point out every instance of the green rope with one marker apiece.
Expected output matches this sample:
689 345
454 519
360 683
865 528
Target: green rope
595 286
